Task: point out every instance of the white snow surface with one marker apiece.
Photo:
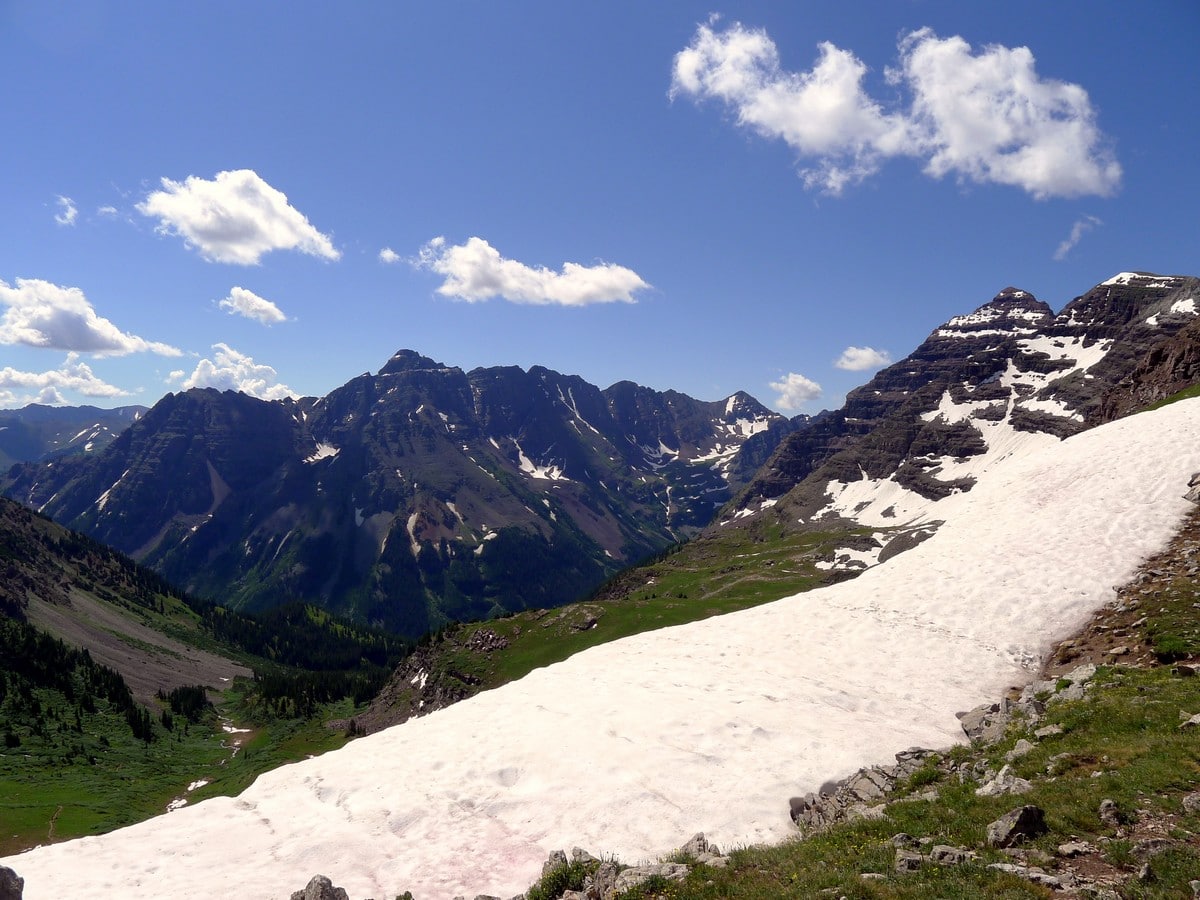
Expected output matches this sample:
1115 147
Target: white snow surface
323 451
1150 281
1185 306
551 472
631 747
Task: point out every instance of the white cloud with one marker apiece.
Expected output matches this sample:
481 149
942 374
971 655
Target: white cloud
389 256
989 117
1078 230
68 213
242 302
984 117
42 314
475 271
823 113
231 370
72 375
860 359
794 391
109 212
235 218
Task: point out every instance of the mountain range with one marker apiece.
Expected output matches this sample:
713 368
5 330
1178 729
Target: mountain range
39 432
412 497
971 442
422 494
711 726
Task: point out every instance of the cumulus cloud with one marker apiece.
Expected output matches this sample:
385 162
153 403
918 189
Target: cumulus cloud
18 388
67 213
231 370
983 116
823 114
1081 227
475 271
242 302
389 256
42 314
860 359
234 218
794 391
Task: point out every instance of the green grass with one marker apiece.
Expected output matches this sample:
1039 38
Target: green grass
1185 394
1172 625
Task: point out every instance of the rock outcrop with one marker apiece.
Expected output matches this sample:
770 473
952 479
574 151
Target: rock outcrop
320 888
12 886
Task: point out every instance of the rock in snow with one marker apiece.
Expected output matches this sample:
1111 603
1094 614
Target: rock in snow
711 725
11 884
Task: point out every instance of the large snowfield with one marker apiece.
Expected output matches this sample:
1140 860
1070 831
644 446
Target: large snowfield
631 747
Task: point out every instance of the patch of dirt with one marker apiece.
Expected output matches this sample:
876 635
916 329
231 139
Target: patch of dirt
148 660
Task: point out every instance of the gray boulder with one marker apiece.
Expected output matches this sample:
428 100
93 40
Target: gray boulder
639 875
1005 782
1109 814
1017 825
945 855
12 885
1037 876
557 860
320 888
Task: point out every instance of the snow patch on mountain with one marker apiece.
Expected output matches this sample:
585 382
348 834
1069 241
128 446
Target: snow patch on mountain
1083 353
102 500
323 451
551 472
1145 280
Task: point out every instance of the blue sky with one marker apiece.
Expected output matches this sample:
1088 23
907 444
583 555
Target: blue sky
699 197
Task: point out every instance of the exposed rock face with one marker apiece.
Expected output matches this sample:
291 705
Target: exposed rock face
859 796
1166 369
320 888
12 886
409 498
608 879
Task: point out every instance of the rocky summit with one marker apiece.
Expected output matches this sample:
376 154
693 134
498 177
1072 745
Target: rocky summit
982 385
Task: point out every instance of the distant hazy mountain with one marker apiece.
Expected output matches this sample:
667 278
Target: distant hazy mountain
38 432
415 496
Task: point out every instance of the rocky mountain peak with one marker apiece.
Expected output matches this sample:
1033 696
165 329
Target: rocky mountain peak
409 361
1008 374
1013 293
